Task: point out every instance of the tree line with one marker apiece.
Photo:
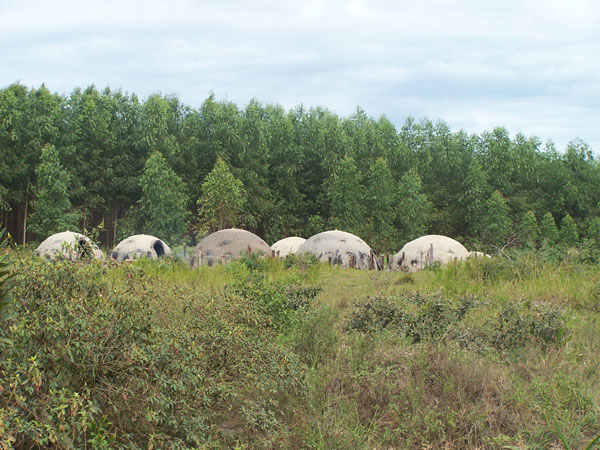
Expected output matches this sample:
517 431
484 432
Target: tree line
109 160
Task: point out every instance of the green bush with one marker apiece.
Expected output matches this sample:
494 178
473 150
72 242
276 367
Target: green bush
5 276
375 314
280 301
253 261
514 327
423 318
125 362
303 262
313 338
417 317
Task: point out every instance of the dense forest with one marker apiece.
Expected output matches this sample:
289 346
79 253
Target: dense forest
108 160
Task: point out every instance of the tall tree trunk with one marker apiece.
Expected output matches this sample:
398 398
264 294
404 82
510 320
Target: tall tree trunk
114 237
13 222
25 217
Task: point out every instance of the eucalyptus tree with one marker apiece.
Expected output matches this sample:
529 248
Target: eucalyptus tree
496 158
214 130
497 224
14 167
582 188
222 200
87 143
125 159
253 164
345 193
283 177
413 208
439 156
161 120
528 230
525 192
395 151
30 119
362 139
472 200
548 230
593 233
52 211
553 177
162 209
319 138
380 202
568 234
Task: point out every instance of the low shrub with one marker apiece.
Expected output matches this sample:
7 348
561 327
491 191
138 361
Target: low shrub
254 261
282 301
388 394
5 277
125 363
418 317
421 318
514 327
314 338
376 313
302 262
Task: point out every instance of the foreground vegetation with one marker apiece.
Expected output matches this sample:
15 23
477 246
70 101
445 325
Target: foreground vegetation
493 353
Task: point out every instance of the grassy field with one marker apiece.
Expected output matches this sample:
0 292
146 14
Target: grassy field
493 353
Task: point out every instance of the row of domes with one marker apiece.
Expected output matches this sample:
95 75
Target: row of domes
335 247
71 245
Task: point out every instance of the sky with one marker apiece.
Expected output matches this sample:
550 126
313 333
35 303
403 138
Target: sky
531 66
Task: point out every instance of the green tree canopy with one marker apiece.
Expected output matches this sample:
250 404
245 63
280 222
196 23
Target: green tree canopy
163 206
346 197
594 232
528 230
497 222
380 202
223 197
52 212
302 169
413 210
568 234
548 230
473 198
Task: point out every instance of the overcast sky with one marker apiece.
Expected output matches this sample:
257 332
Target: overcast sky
532 66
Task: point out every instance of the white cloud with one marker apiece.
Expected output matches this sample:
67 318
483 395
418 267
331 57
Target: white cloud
531 66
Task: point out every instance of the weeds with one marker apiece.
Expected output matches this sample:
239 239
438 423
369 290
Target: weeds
270 353
5 277
98 364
